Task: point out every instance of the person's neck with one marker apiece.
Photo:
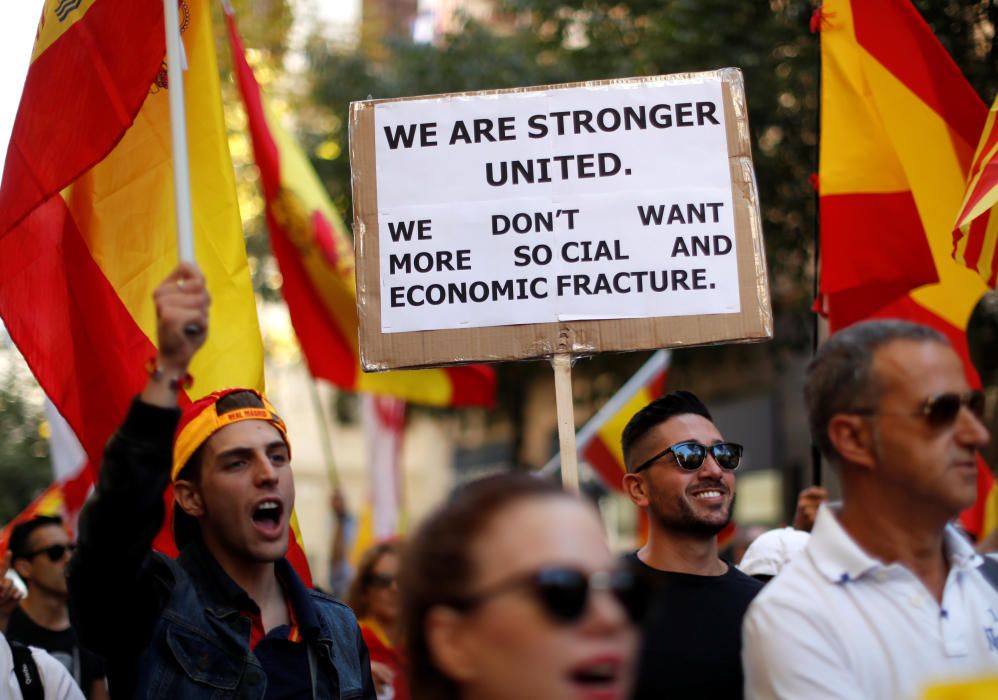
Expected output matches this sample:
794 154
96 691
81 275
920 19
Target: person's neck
259 580
899 532
682 552
46 610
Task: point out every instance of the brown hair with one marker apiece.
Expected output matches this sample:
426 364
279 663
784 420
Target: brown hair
356 597
437 567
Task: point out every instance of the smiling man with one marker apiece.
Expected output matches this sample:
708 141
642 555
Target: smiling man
229 618
680 470
887 597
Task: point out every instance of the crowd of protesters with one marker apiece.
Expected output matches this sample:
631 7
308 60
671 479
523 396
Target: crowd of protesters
509 590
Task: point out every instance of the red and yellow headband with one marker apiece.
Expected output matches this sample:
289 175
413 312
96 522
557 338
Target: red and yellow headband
201 420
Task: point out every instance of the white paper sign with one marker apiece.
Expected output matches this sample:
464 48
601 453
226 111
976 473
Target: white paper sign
603 202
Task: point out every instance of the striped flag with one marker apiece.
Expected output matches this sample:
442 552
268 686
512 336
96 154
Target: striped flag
899 125
316 259
598 441
975 238
87 226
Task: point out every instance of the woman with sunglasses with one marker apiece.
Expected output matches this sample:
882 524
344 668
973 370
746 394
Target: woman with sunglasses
374 598
510 591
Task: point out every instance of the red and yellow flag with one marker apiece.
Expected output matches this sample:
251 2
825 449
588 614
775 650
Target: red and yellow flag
87 227
975 238
316 259
899 124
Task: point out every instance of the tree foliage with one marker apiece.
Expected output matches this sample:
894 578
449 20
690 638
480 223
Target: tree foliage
24 464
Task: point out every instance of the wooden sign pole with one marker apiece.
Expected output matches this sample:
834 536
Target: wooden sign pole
562 363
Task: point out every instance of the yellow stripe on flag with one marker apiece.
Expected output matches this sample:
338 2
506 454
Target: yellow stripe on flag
57 17
124 209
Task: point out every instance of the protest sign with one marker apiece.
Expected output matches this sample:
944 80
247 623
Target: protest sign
611 215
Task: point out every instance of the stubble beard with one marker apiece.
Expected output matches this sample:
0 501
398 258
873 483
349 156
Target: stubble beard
687 522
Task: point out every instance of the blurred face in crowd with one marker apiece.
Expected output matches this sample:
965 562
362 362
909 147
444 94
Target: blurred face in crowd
40 570
509 645
382 593
244 494
695 502
934 463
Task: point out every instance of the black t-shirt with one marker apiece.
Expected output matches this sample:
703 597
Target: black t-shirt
63 645
692 634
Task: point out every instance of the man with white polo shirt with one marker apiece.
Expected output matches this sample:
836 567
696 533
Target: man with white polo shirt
888 597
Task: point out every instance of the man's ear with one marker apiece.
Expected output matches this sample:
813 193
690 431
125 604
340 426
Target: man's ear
23 568
636 488
852 438
447 639
188 497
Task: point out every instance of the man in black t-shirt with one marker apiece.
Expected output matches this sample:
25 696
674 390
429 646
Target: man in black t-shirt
40 548
681 471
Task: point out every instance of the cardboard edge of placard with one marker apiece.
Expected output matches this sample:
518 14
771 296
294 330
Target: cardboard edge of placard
384 351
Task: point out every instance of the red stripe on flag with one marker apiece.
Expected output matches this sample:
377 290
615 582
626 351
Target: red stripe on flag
66 129
987 183
878 253
77 337
893 33
975 241
472 385
605 463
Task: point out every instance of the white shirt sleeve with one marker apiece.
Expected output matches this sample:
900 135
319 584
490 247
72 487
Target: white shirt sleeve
788 654
58 684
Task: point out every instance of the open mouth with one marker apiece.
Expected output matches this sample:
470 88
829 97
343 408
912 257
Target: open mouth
267 515
706 495
598 680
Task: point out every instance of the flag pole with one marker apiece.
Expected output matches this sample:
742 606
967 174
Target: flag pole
324 441
562 363
175 64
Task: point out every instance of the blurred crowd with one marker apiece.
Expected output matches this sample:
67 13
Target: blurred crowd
509 590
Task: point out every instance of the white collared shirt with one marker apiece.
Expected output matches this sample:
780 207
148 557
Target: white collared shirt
837 623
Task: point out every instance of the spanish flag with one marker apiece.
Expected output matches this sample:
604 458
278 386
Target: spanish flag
316 259
975 239
899 126
87 227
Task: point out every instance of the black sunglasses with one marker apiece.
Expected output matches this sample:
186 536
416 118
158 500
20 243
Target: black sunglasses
941 410
55 552
381 580
563 593
691 454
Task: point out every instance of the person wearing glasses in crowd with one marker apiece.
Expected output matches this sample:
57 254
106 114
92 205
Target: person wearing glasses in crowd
374 598
229 618
888 596
39 550
680 470
509 591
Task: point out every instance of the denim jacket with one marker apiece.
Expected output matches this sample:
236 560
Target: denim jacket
173 628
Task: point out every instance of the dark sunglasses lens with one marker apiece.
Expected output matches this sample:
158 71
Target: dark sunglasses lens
943 409
58 551
689 455
632 593
975 402
382 580
727 454
563 593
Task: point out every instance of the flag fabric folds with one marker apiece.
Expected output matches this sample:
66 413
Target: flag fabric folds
87 229
975 238
899 125
316 259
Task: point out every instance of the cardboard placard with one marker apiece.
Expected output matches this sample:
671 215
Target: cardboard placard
604 216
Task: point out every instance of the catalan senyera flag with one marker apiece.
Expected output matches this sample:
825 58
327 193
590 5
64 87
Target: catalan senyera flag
975 238
899 126
316 259
87 226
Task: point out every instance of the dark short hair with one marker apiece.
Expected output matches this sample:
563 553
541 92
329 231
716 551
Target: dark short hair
186 527
437 567
840 378
657 412
20 537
